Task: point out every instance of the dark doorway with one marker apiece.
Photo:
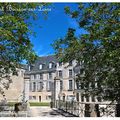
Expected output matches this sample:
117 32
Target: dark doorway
39 98
63 98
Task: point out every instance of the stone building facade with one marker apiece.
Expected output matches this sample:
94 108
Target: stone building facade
42 80
48 80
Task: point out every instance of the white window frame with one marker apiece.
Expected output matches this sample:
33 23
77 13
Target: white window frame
40 66
70 85
70 72
60 64
32 77
50 75
50 65
37 76
60 73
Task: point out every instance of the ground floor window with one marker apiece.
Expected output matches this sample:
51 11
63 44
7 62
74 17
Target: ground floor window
32 97
48 97
34 86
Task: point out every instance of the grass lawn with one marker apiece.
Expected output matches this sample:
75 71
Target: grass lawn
39 104
11 103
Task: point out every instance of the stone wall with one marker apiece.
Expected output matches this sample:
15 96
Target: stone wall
15 91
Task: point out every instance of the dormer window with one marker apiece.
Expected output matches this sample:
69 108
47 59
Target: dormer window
70 63
60 63
50 65
40 66
29 67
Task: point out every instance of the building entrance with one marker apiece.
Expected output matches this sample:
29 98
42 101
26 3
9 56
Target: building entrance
39 98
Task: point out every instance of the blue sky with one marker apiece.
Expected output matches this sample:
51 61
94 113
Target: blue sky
54 27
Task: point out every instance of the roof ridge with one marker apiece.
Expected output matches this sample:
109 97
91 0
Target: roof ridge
47 55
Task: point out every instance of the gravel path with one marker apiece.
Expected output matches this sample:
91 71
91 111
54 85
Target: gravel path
43 112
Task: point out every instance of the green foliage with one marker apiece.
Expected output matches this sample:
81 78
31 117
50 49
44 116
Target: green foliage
98 50
67 10
15 45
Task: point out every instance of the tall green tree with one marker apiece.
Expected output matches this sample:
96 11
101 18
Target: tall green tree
15 45
98 48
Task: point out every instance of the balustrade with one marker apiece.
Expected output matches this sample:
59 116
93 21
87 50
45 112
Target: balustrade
87 109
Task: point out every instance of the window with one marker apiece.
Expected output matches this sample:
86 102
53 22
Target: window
40 66
35 77
30 87
70 63
34 86
70 85
61 85
49 86
32 97
50 65
41 76
32 77
48 97
50 75
60 74
77 97
40 86
70 97
60 63
29 67
70 73
38 76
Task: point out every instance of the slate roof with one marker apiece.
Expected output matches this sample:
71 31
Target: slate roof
24 66
45 60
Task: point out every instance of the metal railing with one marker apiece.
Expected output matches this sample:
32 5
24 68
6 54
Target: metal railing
87 109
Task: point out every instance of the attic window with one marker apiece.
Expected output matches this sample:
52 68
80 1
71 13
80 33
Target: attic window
50 65
40 66
70 63
29 67
60 63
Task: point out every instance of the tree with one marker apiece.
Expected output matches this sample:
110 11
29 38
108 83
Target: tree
98 48
15 45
